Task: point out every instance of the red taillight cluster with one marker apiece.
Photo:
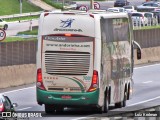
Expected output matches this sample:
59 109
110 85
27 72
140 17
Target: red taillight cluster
94 84
39 79
1 107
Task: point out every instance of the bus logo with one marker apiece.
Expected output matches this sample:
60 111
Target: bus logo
66 23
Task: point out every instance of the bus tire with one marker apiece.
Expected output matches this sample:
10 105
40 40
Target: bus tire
128 93
106 103
125 99
49 109
118 105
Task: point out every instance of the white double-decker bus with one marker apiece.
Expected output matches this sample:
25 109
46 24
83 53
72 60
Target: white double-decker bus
84 59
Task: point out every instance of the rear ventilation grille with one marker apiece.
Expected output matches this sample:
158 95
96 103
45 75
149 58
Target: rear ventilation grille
67 62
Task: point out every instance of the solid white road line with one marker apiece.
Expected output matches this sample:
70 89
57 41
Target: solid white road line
80 118
18 90
146 66
144 101
146 82
25 108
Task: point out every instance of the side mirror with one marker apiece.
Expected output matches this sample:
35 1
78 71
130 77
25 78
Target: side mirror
138 47
15 104
138 53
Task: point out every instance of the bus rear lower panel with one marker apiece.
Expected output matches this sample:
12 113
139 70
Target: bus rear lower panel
77 99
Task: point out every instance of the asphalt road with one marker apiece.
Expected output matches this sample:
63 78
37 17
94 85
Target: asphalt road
146 94
15 27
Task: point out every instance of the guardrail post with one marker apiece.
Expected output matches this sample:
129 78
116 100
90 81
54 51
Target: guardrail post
136 21
140 24
156 20
30 27
133 24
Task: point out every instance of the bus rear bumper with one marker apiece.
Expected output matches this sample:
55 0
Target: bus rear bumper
67 99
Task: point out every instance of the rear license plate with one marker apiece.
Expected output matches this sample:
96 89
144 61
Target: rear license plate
66 97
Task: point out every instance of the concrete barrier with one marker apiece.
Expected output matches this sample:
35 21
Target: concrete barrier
17 75
149 55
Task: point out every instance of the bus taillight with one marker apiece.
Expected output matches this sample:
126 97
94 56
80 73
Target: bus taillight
1 107
39 79
94 84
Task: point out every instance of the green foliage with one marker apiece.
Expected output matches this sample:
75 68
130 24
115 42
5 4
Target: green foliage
56 5
28 32
8 7
147 27
13 39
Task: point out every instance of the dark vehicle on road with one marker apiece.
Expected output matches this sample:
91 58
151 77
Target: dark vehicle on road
152 20
148 6
120 3
6 105
157 15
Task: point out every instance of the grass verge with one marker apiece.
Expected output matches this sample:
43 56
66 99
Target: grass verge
147 27
9 7
13 39
28 32
56 5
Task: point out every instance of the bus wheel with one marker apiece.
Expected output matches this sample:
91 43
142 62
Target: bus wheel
106 104
118 105
125 99
49 109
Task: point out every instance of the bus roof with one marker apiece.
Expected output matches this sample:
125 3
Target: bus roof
91 12
72 22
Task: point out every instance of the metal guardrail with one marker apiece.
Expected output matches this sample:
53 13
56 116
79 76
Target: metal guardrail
21 15
139 23
152 113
